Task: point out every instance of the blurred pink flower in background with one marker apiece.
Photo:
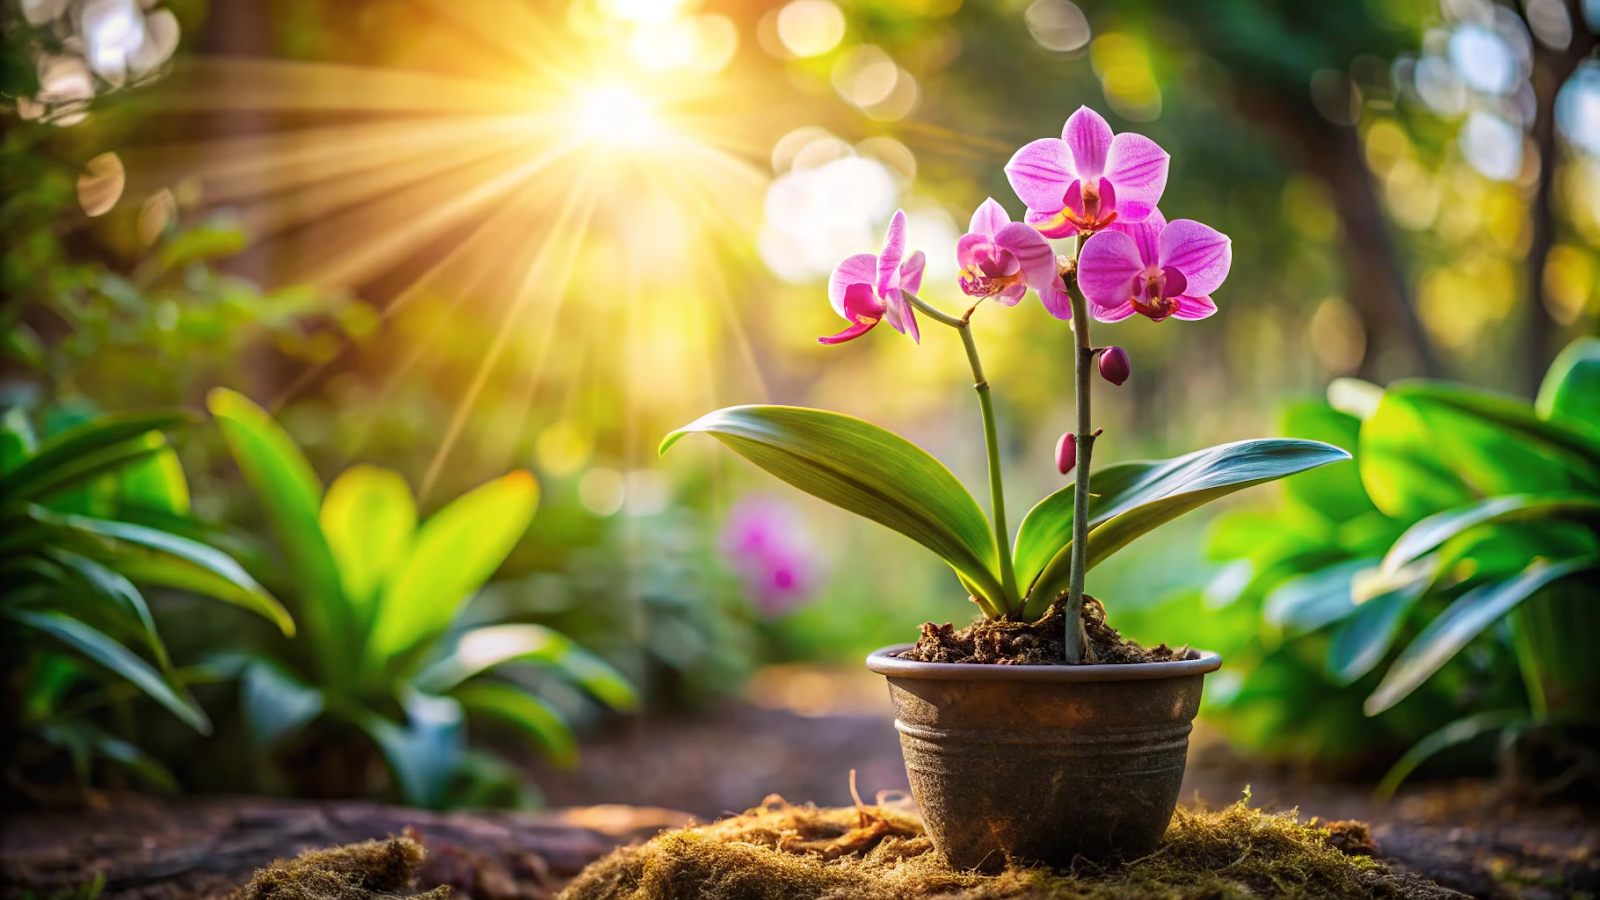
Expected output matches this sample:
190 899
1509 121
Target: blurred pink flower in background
766 543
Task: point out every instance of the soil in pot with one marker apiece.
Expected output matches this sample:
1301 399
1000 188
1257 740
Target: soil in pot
1041 643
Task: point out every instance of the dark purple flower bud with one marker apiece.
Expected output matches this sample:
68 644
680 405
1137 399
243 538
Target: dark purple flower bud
1066 453
1114 365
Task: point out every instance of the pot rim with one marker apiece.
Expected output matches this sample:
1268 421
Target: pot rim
883 662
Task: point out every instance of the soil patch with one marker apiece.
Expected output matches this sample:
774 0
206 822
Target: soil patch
804 853
1041 643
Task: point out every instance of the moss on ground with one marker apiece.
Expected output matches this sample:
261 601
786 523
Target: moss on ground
783 852
374 870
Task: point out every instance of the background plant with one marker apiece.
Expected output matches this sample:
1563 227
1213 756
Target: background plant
94 516
380 594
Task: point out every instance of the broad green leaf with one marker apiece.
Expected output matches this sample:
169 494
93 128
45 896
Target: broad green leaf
160 557
1334 492
869 471
275 702
115 589
97 647
1362 639
1571 389
83 740
17 440
85 439
156 484
368 517
482 649
1433 447
1162 491
1456 733
536 718
285 484
454 553
68 485
1440 527
1048 526
1463 620
1309 602
424 752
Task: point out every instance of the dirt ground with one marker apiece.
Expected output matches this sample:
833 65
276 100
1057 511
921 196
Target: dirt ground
799 737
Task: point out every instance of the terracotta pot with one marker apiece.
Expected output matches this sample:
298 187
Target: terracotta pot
1042 764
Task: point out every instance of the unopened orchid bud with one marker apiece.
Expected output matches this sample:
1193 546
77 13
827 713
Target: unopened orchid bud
1114 365
1066 453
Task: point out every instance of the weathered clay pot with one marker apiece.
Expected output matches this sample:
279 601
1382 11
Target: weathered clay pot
1042 764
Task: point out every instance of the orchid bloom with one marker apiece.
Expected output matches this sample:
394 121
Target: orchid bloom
1089 178
1155 268
865 289
1000 258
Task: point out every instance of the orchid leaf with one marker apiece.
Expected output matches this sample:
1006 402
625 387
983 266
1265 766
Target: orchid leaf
454 553
1440 527
482 649
423 754
1463 620
1362 639
1571 389
1048 526
869 471
70 447
1146 495
276 703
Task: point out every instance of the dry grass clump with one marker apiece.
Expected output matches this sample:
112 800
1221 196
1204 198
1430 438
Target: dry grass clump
783 852
374 870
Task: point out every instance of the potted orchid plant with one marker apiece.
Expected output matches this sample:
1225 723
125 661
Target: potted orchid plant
1070 741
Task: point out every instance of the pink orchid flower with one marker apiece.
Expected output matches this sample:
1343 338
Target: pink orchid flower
1000 258
865 289
1155 268
1088 179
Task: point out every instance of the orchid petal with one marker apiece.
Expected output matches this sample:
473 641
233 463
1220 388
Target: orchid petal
1138 166
969 248
1011 295
1040 173
1051 225
861 304
1192 309
911 271
1073 198
1088 136
1032 251
1108 268
858 269
1057 303
1202 253
1146 234
899 315
849 334
894 248
1113 313
988 218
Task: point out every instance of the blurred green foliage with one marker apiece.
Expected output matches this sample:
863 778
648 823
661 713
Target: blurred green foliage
94 516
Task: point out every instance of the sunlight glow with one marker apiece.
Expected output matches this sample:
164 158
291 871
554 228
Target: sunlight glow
617 115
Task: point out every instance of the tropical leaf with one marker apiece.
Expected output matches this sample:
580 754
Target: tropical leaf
422 754
1463 620
869 471
156 484
1441 527
173 561
1362 639
99 648
83 471
369 518
454 553
289 490
1310 602
482 649
531 715
275 702
1456 733
1571 389
115 589
1151 494
81 441
1048 526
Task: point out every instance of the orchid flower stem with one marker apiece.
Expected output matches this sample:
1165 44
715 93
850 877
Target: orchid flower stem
1008 573
1080 500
